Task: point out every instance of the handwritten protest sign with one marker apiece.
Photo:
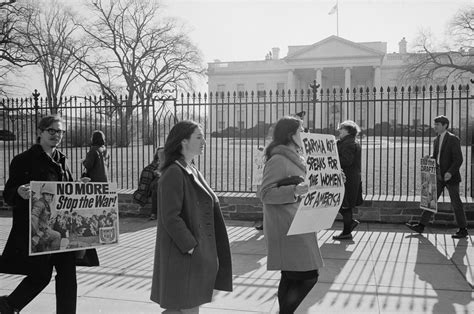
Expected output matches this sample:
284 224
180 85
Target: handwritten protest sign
320 205
71 216
429 193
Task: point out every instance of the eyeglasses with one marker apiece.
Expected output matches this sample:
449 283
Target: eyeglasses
52 131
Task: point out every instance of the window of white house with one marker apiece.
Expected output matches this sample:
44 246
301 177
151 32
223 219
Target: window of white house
221 125
280 88
221 90
240 90
260 89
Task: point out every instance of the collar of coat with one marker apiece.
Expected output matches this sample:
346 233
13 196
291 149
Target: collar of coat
197 178
57 156
290 154
348 138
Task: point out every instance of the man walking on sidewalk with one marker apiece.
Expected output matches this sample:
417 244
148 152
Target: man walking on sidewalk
448 155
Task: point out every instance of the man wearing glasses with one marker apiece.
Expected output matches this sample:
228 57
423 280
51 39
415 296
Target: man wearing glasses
42 162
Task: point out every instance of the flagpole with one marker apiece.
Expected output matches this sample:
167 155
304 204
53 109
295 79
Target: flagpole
337 17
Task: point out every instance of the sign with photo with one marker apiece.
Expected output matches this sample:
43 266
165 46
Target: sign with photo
319 207
429 191
72 216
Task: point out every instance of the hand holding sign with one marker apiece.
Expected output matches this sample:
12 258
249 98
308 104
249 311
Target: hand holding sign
301 189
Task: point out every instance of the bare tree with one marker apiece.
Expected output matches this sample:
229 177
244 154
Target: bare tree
452 62
53 39
12 46
133 52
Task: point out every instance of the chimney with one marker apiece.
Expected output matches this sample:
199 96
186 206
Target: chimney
275 53
402 46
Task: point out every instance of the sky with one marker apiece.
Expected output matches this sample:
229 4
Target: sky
237 30
240 30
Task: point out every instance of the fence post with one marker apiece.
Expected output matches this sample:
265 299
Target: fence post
472 149
36 106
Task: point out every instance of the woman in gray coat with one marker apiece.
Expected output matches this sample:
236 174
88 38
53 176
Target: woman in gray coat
297 256
192 255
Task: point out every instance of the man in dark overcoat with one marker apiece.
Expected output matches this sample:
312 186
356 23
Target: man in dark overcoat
448 155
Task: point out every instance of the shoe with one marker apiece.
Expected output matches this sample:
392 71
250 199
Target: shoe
152 217
259 226
342 236
416 227
5 308
354 224
461 234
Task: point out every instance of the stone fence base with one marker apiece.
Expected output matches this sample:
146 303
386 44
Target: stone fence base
379 208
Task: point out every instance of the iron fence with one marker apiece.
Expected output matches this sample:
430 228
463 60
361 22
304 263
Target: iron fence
396 130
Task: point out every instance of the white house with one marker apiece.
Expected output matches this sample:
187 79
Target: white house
333 62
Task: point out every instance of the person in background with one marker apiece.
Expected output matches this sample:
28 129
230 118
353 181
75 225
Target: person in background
148 183
42 162
448 155
296 256
192 255
97 159
350 154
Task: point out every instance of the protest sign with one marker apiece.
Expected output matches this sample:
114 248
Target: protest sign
259 163
429 192
320 205
71 216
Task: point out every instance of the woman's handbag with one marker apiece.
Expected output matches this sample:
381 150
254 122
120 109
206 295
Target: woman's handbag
87 258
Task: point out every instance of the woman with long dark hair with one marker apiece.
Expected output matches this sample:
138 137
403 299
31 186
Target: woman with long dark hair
296 256
192 255
350 153
97 159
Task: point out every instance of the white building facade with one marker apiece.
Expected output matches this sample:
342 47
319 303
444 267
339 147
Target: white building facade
334 63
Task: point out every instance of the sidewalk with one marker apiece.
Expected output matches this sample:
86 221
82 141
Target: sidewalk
386 269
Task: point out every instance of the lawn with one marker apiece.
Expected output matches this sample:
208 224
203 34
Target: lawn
388 166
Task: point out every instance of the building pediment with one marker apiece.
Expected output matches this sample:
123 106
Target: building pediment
333 47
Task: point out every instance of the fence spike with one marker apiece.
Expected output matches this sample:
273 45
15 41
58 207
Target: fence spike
459 88
467 87
234 94
210 95
402 89
416 89
437 88
381 89
388 89
270 93
395 89
409 89
445 88
354 90
431 88
423 88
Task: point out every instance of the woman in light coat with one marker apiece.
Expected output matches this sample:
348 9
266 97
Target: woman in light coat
296 256
192 256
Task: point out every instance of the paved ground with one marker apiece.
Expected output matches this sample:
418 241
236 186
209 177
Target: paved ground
385 269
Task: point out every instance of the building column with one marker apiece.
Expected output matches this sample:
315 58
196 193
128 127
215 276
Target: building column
291 81
377 78
347 85
318 109
377 85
